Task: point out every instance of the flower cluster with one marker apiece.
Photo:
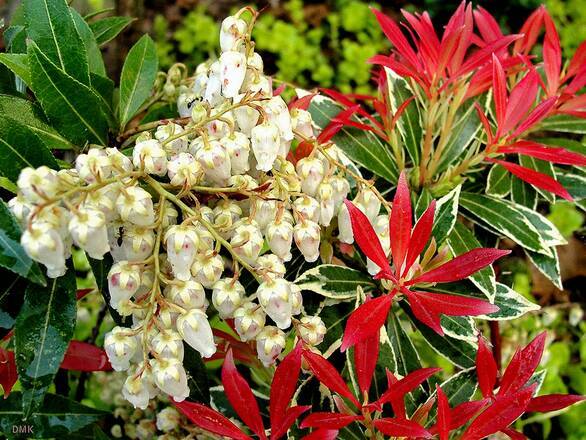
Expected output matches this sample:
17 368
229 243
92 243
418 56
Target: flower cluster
196 201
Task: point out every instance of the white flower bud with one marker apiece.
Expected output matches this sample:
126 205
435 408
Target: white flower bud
247 240
311 172
341 189
206 239
275 298
120 347
286 178
42 242
88 230
168 344
135 205
168 419
38 184
346 235
370 202
69 178
170 214
217 128
151 156
255 83
312 330
104 200
207 268
325 195
278 113
93 166
381 227
280 238
138 243
119 162
171 378
265 145
195 329
21 209
213 92
200 81
123 282
296 299
232 71
136 389
227 296
231 33
187 294
181 242
176 146
302 123
246 116
284 148
307 237
264 212
271 265
215 161
249 319
226 214
255 61
308 207
238 147
243 181
184 170
185 103
167 318
269 344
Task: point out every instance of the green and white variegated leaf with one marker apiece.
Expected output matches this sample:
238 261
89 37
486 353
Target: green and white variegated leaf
462 240
512 304
564 124
503 217
550 235
409 124
363 147
568 144
423 202
548 265
574 183
334 281
537 378
459 327
458 389
499 181
463 134
543 167
522 193
445 214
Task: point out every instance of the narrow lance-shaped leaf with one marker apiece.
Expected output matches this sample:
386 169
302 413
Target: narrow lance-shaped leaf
420 237
81 356
404 386
544 152
366 320
365 358
8 373
486 368
553 402
106 29
443 414
328 420
210 420
400 223
522 366
401 428
284 385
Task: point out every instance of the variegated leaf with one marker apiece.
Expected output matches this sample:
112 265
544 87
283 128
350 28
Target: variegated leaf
334 281
499 181
446 213
512 304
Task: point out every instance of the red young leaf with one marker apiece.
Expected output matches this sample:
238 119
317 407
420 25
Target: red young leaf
420 237
499 89
283 386
461 267
404 386
536 178
395 36
543 152
291 415
530 31
503 411
523 365
322 434
303 102
240 396
400 223
210 420
485 123
427 316
328 420
443 414
552 55
486 368
553 402
514 435
8 373
327 374
366 237
81 356
463 413
279 89
578 60
536 115
365 358
401 428
520 100
366 320
455 305
482 56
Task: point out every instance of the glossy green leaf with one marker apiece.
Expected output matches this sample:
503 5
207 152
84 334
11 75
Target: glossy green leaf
512 304
94 55
18 64
73 108
574 183
334 281
462 240
106 29
543 167
503 217
446 212
423 202
568 144
548 232
42 333
100 269
11 294
565 124
463 133
55 418
12 255
199 387
548 265
459 327
523 193
499 181
51 26
137 78
459 388
363 147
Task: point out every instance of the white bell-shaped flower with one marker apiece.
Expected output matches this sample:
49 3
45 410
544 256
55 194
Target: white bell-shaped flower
88 230
278 113
279 235
36 184
195 329
381 227
246 116
325 195
168 344
218 128
213 92
269 344
308 207
265 141
171 378
120 347
345 233
150 156
43 243
247 240
227 296
138 242
255 61
307 238
302 123
271 265
215 161
120 163
93 166
232 71
207 268
341 189
135 390
169 215
264 211
200 81
238 147
296 299
185 103
187 294
255 83
168 419
184 170
370 202
104 200
232 32
181 242
311 171
135 205
123 282
175 146
312 330
20 209
274 296
249 320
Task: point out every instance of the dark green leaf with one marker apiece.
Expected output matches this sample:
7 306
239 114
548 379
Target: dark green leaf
334 281
548 265
423 202
462 135
94 55
10 299
57 417
459 389
542 167
565 124
568 144
574 183
522 193
499 181
42 333
51 26
18 64
459 327
199 388
72 107
445 215
108 28
138 77
511 304
12 255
